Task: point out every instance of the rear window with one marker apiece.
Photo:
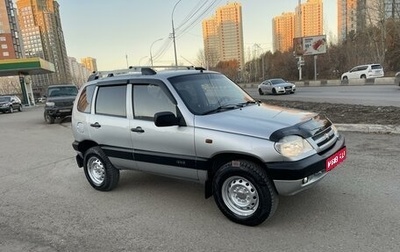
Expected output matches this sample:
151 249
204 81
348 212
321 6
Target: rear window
376 67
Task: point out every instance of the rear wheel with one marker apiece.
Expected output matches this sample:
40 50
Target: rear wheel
99 171
345 78
244 193
363 76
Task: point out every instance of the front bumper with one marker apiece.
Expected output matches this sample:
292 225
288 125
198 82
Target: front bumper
58 112
293 177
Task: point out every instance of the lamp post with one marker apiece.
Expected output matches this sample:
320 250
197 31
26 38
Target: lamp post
262 60
173 33
151 56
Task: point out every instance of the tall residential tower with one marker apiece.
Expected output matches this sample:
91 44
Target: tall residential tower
10 43
283 32
223 35
43 37
309 20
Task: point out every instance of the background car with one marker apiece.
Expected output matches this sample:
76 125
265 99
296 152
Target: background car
10 103
59 102
364 72
276 86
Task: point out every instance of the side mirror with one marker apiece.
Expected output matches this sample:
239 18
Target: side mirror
164 119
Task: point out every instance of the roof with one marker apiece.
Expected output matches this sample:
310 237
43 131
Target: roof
27 66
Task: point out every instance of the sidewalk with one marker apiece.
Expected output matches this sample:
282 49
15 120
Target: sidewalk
369 128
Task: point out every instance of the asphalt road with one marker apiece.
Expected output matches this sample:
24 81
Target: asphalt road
373 95
47 205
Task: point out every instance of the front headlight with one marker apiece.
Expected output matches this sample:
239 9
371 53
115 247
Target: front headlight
292 146
50 104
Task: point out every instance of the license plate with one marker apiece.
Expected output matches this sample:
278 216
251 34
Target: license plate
65 110
333 161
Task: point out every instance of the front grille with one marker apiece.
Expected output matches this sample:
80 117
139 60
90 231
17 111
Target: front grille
64 103
324 137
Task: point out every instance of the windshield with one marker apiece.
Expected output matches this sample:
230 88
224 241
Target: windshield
210 93
277 81
5 99
62 91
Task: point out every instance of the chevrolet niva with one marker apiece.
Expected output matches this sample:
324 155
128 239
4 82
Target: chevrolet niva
198 125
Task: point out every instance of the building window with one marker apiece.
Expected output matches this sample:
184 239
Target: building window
6 54
4 46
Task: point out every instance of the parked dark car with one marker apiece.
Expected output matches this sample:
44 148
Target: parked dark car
59 102
10 103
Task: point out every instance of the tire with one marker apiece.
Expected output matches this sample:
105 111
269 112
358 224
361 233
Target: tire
20 108
99 171
363 77
48 119
274 91
345 78
244 193
260 92
11 110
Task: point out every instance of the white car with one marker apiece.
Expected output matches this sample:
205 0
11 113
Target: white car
364 72
276 86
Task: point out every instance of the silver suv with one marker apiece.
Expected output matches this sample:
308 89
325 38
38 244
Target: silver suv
198 125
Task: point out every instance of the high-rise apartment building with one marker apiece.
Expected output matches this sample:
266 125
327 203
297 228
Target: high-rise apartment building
89 63
392 9
283 32
43 37
357 15
347 17
223 35
10 43
309 19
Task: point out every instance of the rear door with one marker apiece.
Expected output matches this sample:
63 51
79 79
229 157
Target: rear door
109 124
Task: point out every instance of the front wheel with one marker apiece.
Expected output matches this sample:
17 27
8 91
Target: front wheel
48 118
20 108
244 193
260 92
11 109
99 171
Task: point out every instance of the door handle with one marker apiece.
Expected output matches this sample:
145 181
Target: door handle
137 129
95 125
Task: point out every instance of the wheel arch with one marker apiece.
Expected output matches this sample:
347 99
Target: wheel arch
81 148
218 160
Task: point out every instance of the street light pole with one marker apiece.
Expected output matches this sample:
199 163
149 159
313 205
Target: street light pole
173 33
151 56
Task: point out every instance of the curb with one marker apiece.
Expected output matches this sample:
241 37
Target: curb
369 128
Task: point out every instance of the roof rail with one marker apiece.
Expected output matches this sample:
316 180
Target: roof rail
143 70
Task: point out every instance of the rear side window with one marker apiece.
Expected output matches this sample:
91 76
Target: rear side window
376 67
111 100
85 100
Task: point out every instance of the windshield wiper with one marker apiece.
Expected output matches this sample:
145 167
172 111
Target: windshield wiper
243 104
229 107
221 108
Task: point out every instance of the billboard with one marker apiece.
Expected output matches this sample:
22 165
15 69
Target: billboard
309 45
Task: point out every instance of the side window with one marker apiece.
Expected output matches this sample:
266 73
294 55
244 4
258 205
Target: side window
149 99
85 100
111 100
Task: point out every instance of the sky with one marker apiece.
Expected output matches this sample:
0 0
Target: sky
119 33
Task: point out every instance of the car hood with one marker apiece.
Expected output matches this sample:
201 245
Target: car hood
256 120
